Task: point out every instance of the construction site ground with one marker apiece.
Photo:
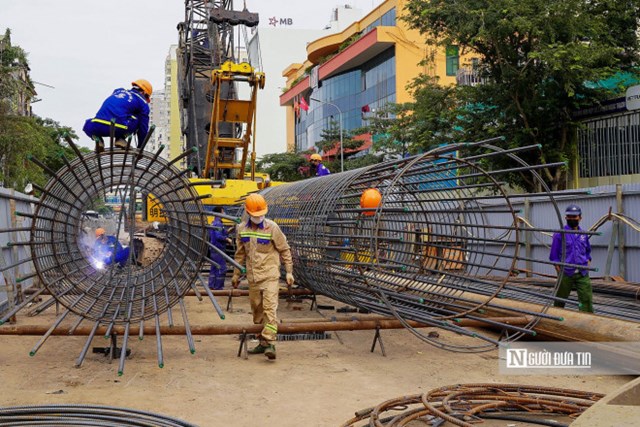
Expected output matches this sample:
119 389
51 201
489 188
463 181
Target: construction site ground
312 382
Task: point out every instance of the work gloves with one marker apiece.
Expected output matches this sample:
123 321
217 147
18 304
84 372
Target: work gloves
290 279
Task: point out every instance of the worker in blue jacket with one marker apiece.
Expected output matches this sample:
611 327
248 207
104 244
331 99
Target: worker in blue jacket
316 162
107 250
130 111
577 252
219 238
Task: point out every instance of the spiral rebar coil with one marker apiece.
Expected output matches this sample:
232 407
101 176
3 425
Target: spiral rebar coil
428 252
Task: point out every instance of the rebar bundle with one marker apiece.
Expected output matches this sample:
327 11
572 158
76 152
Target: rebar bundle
84 415
468 404
427 251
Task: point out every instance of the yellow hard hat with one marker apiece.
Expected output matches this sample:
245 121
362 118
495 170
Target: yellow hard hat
100 231
256 205
144 85
316 156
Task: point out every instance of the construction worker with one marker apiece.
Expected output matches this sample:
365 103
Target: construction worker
577 252
316 162
260 246
218 237
107 250
128 109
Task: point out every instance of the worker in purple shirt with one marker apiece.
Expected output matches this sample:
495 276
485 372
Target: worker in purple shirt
316 162
578 252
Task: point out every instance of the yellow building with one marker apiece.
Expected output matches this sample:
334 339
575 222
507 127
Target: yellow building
175 142
359 70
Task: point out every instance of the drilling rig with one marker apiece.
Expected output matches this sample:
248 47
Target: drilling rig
218 126
215 120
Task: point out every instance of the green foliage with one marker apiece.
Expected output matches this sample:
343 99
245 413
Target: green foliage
331 138
282 166
535 60
353 162
20 136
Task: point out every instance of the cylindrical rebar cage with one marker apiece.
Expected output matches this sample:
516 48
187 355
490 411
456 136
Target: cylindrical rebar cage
427 251
62 248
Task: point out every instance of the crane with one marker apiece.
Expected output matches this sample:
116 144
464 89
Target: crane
219 124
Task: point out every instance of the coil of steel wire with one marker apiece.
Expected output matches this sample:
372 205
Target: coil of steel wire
467 404
84 415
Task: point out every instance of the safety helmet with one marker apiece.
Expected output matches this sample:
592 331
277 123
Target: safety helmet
316 156
370 199
256 205
573 210
144 85
100 231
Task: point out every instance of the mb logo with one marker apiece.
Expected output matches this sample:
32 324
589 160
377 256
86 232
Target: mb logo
280 21
517 358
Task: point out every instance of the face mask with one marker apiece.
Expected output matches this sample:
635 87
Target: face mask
257 219
573 223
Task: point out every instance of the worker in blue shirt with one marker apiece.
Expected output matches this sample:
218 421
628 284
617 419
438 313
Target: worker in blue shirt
130 111
316 162
107 250
219 238
577 252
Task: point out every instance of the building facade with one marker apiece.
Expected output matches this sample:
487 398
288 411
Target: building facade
160 118
16 88
174 137
272 49
358 71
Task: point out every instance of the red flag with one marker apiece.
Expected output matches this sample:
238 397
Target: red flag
303 104
365 108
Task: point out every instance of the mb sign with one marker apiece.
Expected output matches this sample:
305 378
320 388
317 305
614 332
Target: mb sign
632 98
280 21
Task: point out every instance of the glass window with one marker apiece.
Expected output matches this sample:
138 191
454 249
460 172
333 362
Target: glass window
453 60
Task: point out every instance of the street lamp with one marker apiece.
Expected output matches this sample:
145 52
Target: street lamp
340 115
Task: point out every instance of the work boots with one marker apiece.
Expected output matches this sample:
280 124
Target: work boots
99 145
120 143
267 350
259 349
270 352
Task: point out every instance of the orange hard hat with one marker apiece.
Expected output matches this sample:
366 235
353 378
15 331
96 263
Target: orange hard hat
316 156
256 205
100 231
370 199
144 85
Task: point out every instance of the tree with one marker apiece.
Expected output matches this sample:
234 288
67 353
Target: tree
331 139
19 138
24 136
415 127
282 166
536 59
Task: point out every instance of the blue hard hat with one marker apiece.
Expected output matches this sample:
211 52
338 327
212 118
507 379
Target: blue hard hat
573 210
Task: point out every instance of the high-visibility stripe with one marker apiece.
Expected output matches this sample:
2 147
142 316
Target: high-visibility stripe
104 122
255 234
271 327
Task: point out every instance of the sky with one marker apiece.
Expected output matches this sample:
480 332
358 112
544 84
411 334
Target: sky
87 48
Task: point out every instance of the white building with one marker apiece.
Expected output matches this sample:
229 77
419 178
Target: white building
160 118
275 48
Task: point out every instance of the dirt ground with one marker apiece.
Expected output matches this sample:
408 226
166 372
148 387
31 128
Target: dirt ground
312 383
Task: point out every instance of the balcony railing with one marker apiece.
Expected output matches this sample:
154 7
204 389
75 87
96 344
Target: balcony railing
468 76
